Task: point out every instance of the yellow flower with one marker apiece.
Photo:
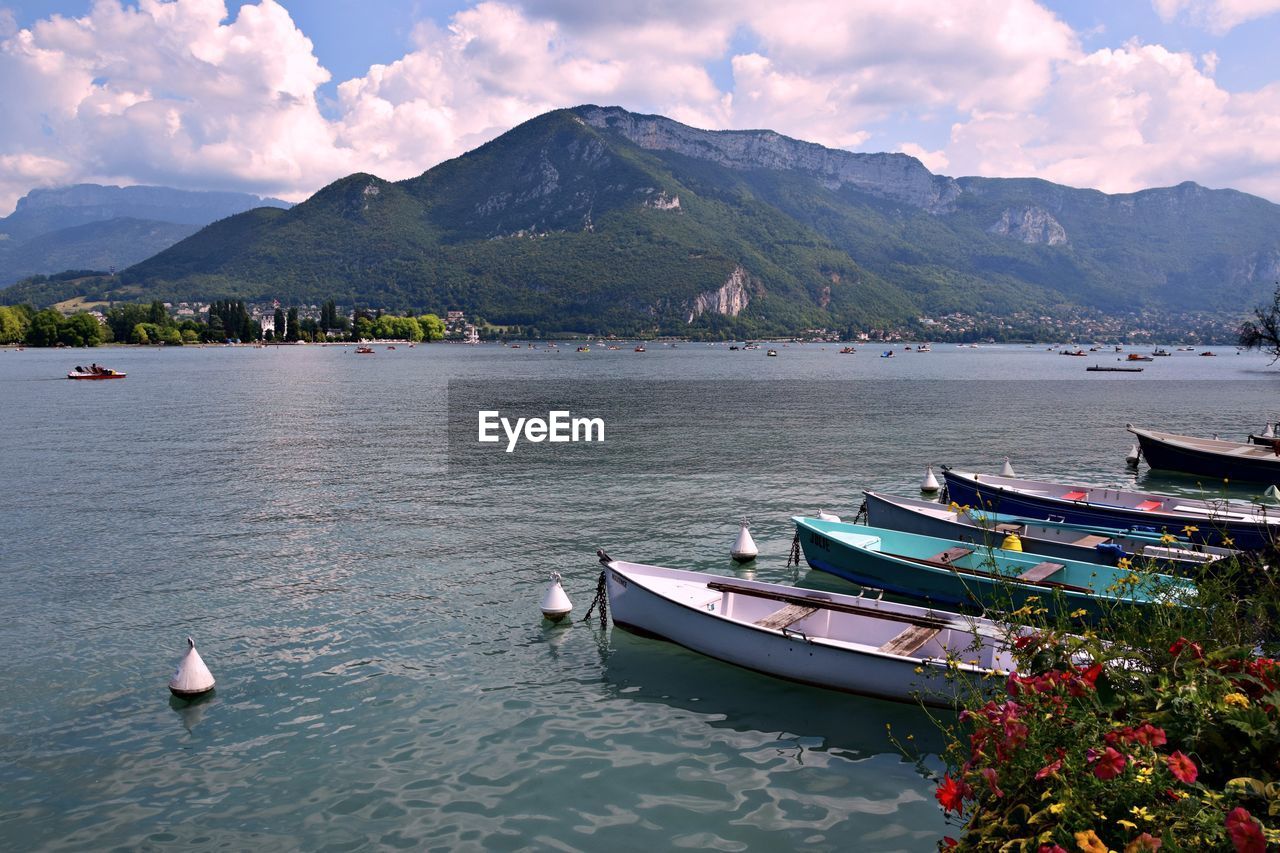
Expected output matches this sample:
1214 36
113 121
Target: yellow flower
1089 842
1075 614
1228 541
1057 808
1236 700
1189 529
1145 774
1141 812
1122 563
1127 824
919 670
1168 539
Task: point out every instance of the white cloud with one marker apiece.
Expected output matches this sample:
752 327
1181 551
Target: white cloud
175 92
1134 117
1216 16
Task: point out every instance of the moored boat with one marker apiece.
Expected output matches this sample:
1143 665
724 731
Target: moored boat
946 571
364 350
1230 524
1099 369
841 642
1209 457
1083 543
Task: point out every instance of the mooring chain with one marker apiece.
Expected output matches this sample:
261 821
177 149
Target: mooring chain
794 558
601 599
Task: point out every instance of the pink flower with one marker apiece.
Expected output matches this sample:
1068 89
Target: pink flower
1110 763
1050 848
1144 843
1182 768
1197 651
1149 735
989 775
1245 832
1049 770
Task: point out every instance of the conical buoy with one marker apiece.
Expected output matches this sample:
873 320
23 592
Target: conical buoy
823 515
744 550
1007 469
555 604
192 677
930 485
1135 453
1012 542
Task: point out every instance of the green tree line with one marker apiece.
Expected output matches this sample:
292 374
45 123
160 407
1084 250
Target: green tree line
151 324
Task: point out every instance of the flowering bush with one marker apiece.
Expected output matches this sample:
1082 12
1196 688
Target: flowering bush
1163 736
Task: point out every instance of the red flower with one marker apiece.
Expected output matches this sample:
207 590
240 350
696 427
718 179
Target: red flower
1150 735
1183 643
1049 770
1245 832
952 793
949 842
1110 764
990 776
1182 768
1050 848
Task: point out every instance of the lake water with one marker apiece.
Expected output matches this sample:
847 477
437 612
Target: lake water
363 579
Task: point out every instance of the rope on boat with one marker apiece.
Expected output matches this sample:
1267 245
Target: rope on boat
861 517
602 600
794 558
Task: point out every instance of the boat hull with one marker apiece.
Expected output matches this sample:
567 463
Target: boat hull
95 376
1166 455
789 654
1209 528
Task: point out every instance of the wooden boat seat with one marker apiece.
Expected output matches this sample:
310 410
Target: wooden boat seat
1090 541
949 556
788 615
1040 571
909 640
1009 528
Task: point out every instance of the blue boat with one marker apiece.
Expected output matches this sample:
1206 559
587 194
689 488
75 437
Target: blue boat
1231 524
946 571
1050 539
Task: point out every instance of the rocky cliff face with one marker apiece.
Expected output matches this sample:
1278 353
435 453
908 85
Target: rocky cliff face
729 299
1030 225
892 176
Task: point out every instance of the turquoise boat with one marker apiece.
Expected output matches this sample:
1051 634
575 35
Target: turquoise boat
947 571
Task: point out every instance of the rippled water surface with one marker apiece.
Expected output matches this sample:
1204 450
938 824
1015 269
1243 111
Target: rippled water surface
366 591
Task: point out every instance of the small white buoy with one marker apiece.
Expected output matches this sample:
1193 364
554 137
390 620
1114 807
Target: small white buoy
1007 470
823 515
192 677
555 603
744 550
930 485
1135 453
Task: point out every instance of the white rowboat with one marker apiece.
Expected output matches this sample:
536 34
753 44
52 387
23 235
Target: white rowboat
850 643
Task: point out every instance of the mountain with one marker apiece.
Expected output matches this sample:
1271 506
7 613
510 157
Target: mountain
89 226
600 219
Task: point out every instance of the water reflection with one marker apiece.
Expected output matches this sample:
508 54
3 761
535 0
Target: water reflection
192 711
647 670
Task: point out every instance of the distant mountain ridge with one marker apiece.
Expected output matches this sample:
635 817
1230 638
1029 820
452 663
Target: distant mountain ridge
91 226
596 218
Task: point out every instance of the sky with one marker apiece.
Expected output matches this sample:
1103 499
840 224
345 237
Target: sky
281 97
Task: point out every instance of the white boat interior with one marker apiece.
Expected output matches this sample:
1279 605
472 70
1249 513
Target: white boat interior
855 623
